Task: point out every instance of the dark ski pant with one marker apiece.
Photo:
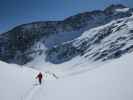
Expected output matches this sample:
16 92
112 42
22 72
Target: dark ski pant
40 81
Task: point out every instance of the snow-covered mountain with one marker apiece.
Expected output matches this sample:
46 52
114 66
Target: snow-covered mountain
93 37
86 43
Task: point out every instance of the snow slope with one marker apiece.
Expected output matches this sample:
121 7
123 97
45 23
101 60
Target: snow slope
112 81
17 82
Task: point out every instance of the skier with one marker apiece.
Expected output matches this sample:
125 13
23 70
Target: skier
39 77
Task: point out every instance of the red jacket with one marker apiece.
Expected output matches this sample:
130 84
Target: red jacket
39 76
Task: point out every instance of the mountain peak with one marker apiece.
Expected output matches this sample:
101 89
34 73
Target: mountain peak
110 9
115 6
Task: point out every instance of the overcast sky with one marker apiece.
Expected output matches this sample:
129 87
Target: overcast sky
16 12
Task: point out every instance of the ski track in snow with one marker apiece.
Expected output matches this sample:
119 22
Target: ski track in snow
29 94
33 91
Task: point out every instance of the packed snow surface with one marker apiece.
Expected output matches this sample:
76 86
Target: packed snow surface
112 81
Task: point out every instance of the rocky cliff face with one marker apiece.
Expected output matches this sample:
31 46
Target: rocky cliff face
97 35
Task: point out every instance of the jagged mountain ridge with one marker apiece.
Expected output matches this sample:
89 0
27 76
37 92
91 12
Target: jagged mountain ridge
103 43
57 40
